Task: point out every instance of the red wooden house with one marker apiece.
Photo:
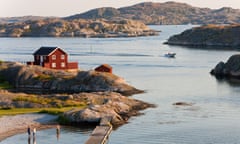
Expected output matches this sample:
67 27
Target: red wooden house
104 68
54 58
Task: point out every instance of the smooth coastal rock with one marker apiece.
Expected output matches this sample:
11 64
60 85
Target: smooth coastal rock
114 105
229 69
217 36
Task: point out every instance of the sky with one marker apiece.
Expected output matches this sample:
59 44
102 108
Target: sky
62 8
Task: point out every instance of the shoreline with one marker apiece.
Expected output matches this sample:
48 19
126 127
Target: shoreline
12 125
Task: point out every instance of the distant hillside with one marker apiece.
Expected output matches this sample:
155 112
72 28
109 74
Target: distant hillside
105 12
165 13
220 36
169 13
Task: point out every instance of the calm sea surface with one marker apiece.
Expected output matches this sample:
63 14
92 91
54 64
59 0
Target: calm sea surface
213 119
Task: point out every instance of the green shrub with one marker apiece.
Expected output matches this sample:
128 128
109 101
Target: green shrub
5 84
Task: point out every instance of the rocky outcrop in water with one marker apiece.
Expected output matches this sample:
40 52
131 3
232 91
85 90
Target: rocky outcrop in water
35 79
230 69
76 28
217 36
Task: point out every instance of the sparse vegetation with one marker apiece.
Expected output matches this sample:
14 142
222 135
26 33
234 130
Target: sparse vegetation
49 101
15 111
44 77
10 111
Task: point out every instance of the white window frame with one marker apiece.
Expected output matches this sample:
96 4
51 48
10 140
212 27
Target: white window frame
63 64
62 57
54 65
53 57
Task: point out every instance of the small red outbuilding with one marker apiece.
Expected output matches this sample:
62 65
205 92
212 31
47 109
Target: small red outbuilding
104 68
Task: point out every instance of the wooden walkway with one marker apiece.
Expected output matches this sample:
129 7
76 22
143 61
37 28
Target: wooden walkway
101 133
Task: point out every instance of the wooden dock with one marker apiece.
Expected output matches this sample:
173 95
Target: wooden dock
101 133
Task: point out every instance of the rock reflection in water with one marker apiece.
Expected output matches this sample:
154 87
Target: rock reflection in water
29 139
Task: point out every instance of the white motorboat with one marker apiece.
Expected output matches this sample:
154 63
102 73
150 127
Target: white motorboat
170 55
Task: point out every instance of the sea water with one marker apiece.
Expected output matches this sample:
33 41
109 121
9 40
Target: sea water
213 118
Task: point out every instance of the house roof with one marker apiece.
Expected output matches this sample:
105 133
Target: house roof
105 65
46 50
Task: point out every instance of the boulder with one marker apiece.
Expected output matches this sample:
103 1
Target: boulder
219 68
229 69
106 104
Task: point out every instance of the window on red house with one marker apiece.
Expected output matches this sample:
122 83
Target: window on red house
53 65
62 64
53 57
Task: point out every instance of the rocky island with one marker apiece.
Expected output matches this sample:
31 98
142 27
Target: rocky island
217 36
57 27
93 94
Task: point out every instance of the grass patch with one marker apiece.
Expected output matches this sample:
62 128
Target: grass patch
53 111
17 111
33 99
52 102
44 77
56 111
